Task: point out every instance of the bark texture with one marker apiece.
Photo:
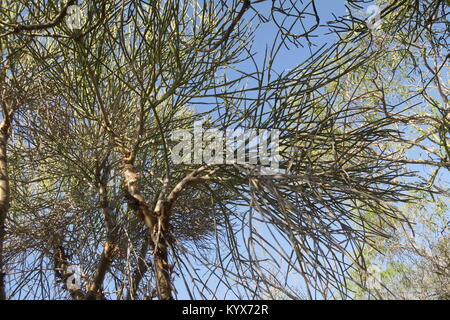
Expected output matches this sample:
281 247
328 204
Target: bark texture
4 202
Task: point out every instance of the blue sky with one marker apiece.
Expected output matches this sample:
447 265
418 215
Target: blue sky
287 58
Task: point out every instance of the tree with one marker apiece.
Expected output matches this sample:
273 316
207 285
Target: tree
408 82
95 181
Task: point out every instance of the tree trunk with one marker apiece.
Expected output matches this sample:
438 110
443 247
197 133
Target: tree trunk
95 289
161 255
4 204
157 221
